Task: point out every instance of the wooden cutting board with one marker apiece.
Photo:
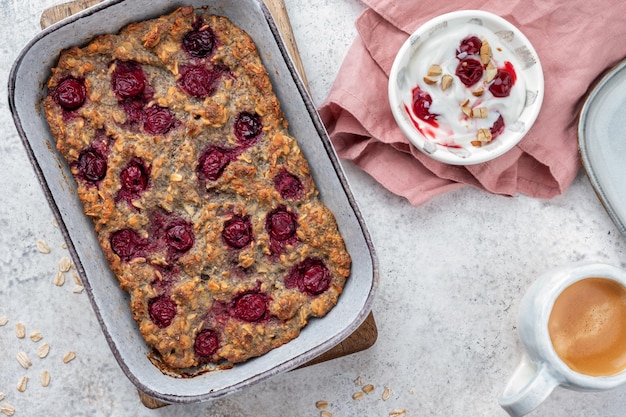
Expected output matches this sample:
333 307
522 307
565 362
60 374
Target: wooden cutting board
365 336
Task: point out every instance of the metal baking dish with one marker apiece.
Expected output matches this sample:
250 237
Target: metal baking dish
110 303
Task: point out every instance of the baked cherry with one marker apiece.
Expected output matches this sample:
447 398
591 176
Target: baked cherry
280 224
127 244
250 307
92 165
128 79
212 163
135 177
502 84
199 43
206 344
179 235
469 71
197 81
70 93
162 311
247 126
288 185
310 276
158 120
421 105
469 46
237 232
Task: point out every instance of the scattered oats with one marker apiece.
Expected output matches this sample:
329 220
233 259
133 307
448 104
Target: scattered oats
176 177
326 414
20 331
4 320
59 279
45 378
358 395
76 278
400 412
358 381
386 394
43 247
43 350
22 358
321 405
65 264
54 223
21 385
36 336
78 289
7 409
2 396
411 392
368 389
69 356
64 245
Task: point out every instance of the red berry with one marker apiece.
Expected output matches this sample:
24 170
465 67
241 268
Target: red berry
127 244
206 343
162 311
502 84
199 43
212 163
237 232
469 71
179 235
469 46
250 307
310 276
197 81
92 165
280 224
421 105
128 79
135 177
70 93
159 120
288 185
247 126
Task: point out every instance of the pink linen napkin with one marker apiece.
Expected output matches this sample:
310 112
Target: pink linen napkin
576 40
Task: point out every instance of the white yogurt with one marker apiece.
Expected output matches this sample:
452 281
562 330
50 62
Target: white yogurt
454 127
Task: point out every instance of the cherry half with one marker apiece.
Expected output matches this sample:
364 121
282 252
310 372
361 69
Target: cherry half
162 311
179 235
127 244
469 71
128 79
212 163
288 185
206 344
247 127
158 120
250 307
237 232
92 165
421 105
310 276
502 84
198 81
280 224
469 46
199 43
135 178
70 94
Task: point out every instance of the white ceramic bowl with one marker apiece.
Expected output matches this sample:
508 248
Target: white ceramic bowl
436 41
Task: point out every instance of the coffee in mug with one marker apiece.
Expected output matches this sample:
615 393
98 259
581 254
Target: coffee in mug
587 326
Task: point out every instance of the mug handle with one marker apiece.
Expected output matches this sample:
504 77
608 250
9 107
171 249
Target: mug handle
529 386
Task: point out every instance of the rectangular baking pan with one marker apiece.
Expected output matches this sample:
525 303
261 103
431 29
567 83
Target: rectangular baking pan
26 88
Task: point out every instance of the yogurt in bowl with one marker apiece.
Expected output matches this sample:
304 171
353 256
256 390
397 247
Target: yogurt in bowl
466 87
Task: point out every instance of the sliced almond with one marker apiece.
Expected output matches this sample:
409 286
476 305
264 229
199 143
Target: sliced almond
42 247
483 135
478 92
485 52
476 143
467 110
465 102
490 72
434 70
446 82
480 112
430 81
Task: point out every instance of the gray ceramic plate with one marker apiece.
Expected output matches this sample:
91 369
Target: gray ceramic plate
26 86
602 142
